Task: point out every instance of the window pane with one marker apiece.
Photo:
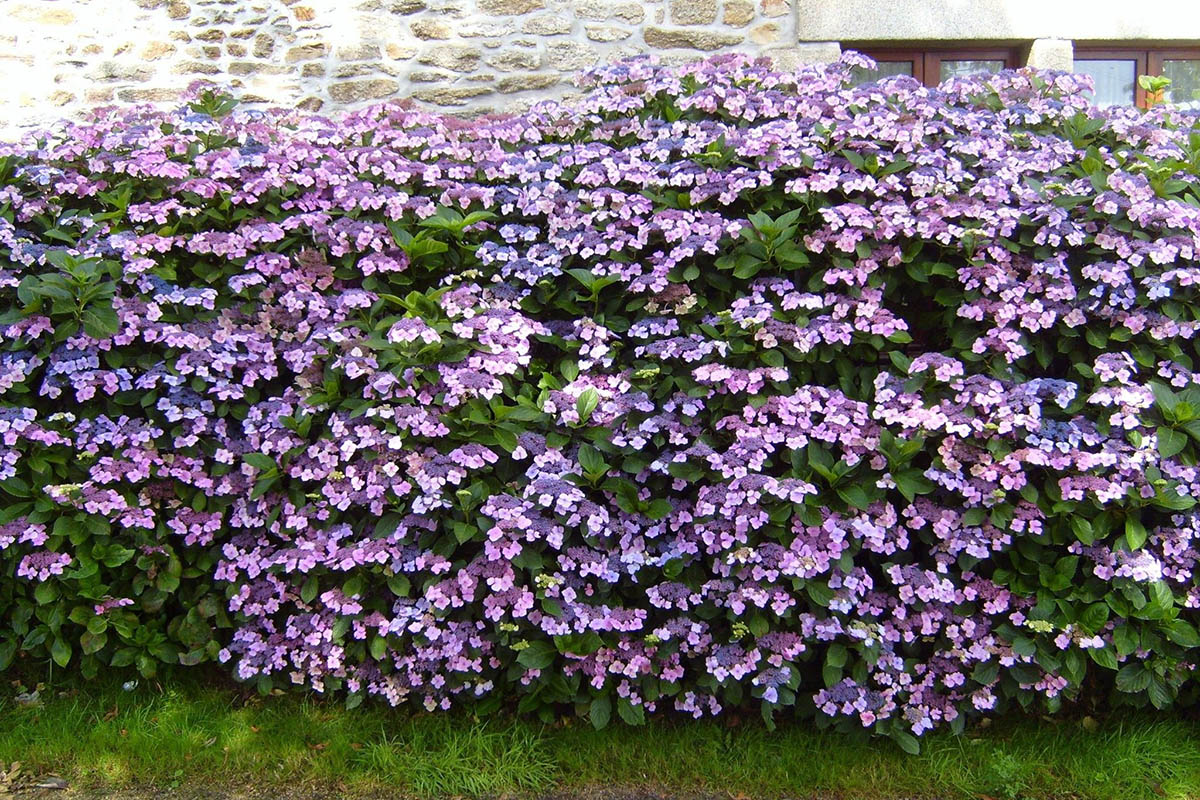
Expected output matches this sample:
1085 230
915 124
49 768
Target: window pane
1114 79
959 67
883 69
1184 90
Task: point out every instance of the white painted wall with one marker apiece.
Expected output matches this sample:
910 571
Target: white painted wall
1002 20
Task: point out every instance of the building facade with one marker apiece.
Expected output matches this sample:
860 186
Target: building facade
59 57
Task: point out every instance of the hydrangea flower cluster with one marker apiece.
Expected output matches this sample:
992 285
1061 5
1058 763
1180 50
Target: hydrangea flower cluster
718 388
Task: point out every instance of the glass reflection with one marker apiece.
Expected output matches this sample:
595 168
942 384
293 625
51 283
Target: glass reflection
957 68
1114 79
1184 90
883 69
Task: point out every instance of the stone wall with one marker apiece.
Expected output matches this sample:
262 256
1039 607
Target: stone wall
58 57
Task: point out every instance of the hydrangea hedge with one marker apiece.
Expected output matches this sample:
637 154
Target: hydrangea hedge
719 388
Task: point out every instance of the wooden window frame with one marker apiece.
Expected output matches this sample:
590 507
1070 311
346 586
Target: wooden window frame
1149 61
917 57
934 59
1157 57
927 62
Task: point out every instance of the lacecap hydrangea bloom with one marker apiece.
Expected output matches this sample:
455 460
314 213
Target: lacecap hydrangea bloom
719 388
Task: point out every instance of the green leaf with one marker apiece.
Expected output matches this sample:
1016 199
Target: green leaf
1074 666
1164 398
1162 601
1183 633
747 269
116 555
378 648
46 593
986 672
908 743
820 593
308 592
591 460
15 486
538 655
355 586
586 404
1192 428
854 158
658 509
506 439
584 276
901 361
633 715
463 532
579 644
1135 532
261 488
854 496
1104 656
100 323
1173 500
387 525
912 482
830 675
91 643
260 461
836 655
27 290
1094 617
399 585
1170 442
1083 530
1160 694
685 471
1133 678
1023 646
1126 639
600 712
60 651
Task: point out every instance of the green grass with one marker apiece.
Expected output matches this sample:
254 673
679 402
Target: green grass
193 735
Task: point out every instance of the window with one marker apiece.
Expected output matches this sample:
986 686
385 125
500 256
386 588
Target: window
1116 72
931 67
1183 68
